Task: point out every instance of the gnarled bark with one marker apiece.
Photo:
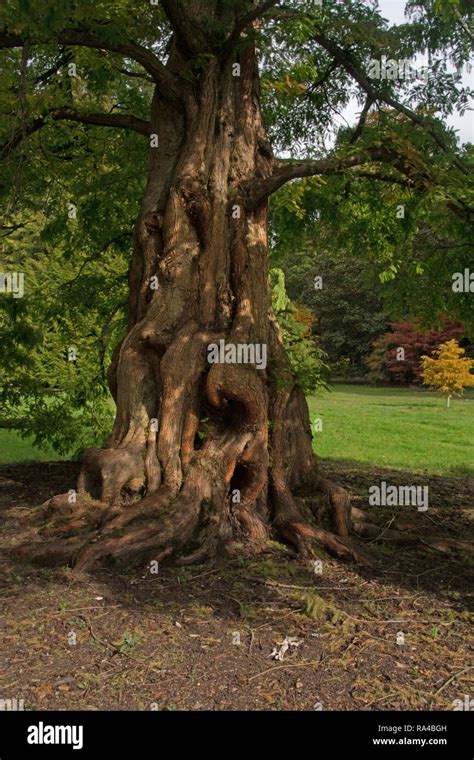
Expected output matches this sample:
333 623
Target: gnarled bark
200 454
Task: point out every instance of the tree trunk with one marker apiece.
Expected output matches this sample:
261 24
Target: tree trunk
202 453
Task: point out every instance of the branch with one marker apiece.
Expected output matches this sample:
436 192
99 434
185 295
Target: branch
11 228
346 60
120 121
63 59
417 177
287 169
244 21
258 190
362 119
192 37
389 179
96 256
464 25
324 77
122 70
167 82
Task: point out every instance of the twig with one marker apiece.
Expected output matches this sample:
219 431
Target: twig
299 588
288 665
384 530
451 678
201 575
80 609
251 640
380 699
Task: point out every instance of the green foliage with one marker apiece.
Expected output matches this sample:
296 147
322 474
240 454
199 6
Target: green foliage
129 642
384 248
75 269
307 359
75 274
59 402
348 307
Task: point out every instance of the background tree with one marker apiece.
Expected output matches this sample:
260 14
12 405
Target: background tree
449 372
397 355
343 294
215 91
384 254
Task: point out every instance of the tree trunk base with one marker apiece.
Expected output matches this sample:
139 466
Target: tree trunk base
186 529
183 528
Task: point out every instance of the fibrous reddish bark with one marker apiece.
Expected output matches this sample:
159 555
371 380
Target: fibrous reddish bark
200 454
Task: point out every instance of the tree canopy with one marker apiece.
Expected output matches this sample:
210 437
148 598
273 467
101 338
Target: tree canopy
77 84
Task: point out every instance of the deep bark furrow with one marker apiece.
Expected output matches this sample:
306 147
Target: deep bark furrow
201 453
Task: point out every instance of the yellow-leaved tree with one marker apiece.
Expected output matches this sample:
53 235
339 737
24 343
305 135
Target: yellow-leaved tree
449 372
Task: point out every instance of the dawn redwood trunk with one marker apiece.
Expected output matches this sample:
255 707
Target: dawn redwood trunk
202 455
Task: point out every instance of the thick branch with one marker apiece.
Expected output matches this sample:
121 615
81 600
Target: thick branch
244 21
168 84
120 121
259 190
418 178
191 36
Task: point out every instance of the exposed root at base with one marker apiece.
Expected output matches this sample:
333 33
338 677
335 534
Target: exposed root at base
403 532
187 528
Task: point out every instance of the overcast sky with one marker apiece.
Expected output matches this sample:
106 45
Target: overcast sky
394 12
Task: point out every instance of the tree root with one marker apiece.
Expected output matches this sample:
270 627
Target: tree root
187 528
403 532
302 535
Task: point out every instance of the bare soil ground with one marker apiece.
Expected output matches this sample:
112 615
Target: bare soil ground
202 637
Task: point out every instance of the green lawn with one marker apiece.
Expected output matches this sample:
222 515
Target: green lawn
399 428
16 449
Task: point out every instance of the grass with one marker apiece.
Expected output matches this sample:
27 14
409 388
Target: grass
396 428
16 449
